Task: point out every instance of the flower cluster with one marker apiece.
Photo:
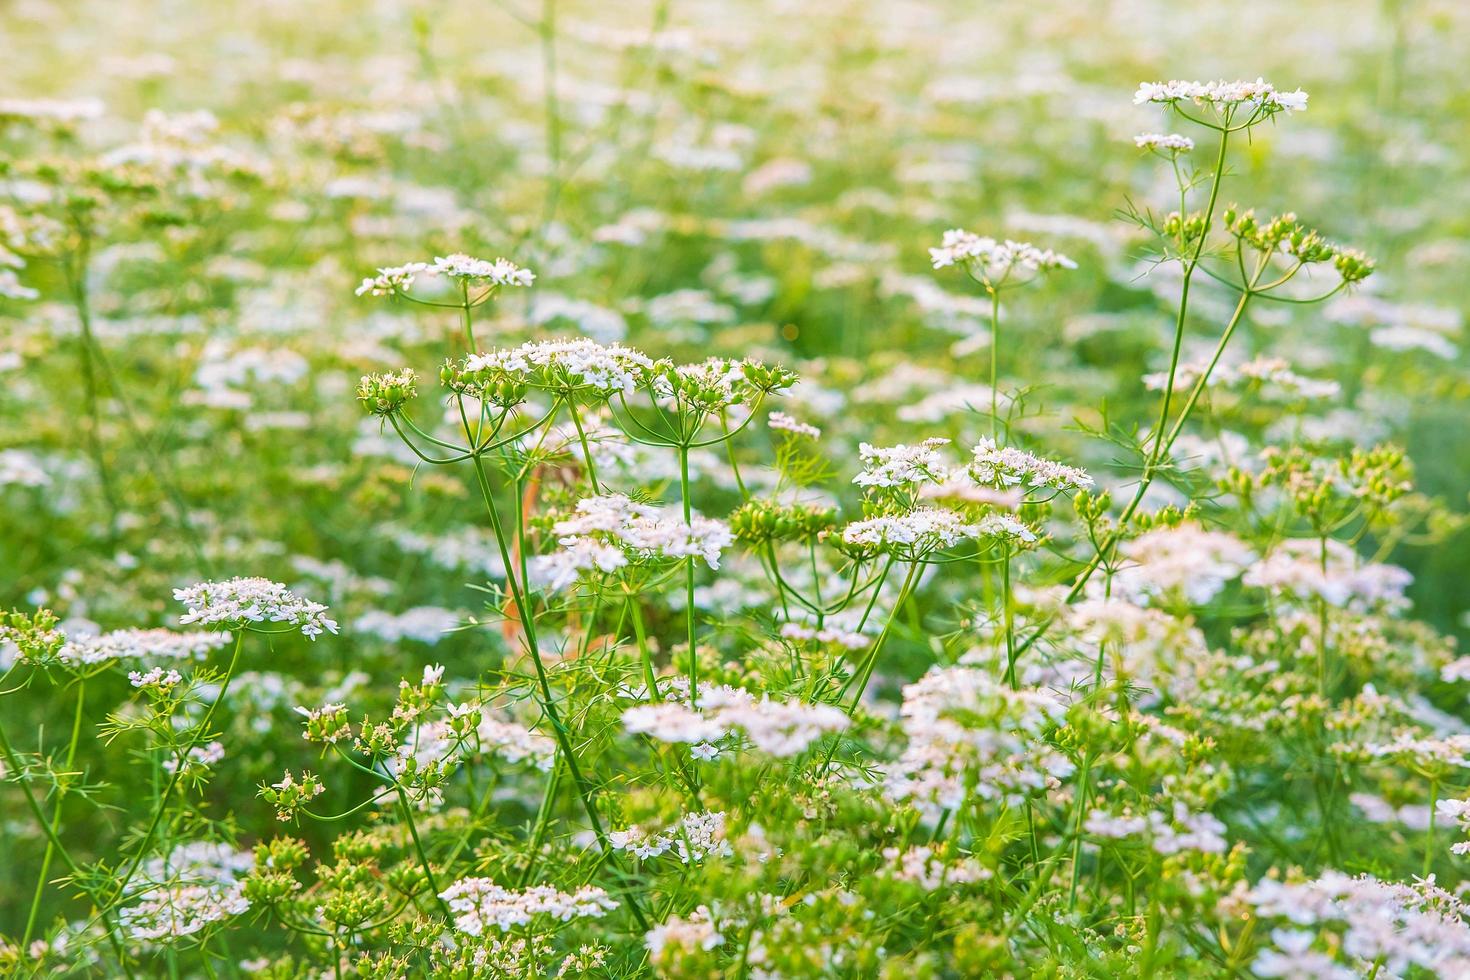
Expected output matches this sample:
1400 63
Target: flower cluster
995 262
565 366
693 838
479 904
1222 95
609 532
140 644
1005 467
238 602
458 266
778 728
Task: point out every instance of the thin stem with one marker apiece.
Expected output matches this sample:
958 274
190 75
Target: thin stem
994 357
684 495
71 754
180 767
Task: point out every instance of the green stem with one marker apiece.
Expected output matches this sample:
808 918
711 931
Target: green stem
1429 837
418 845
181 765
548 702
994 358
684 496
71 754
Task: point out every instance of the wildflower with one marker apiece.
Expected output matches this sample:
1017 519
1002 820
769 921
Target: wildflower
157 682
968 735
290 795
241 601
611 531
901 465
563 366
496 274
995 262
1170 143
479 904
927 868
174 913
781 422
917 533
697 932
1185 560
1221 96
199 757
327 724
692 838
1007 467
393 279
384 394
1306 569
501 272
139 644
422 624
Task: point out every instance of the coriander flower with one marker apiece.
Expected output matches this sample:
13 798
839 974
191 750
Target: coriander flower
1008 467
910 535
398 279
612 531
1169 143
781 422
995 262
239 602
479 904
563 366
901 465
1222 95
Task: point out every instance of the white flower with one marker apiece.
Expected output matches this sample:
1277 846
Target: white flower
693 838
994 261
139 644
1220 95
1160 141
501 272
582 362
1004 468
610 531
173 913
399 278
423 624
479 903
782 422
697 932
901 465
241 601
158 681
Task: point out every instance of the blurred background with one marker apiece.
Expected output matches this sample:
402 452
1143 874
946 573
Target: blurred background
177 354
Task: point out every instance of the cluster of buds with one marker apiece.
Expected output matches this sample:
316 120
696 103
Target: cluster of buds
717 383
34 636
1371 479
271 880
1168 516
385 394
490 384
1185 229
1284 234
290 795
416 699
1352 265
353 894
763 521
327 724
380 740
1379 475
